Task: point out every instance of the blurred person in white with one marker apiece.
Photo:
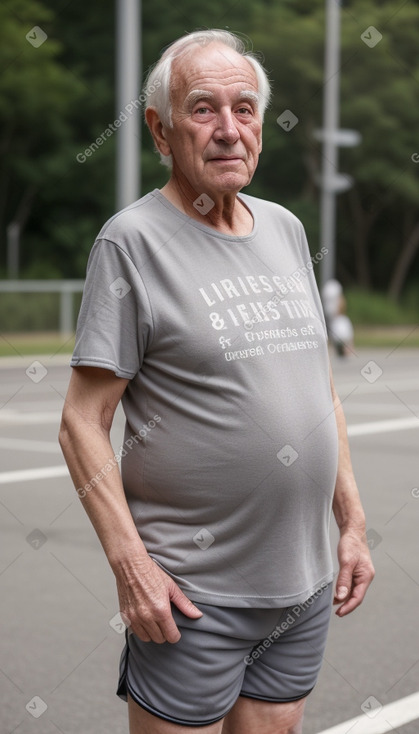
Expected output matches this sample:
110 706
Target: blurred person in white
342 334
331 295
217 527
339 325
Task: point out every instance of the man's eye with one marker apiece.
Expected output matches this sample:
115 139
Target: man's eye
201 110
244 110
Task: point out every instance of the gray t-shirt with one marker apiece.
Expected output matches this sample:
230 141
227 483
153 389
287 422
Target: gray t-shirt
230 454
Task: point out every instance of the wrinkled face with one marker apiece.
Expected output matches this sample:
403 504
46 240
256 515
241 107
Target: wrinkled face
215 139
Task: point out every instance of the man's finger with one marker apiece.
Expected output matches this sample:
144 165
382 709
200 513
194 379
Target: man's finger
342 593
165 631
170 631
140 632
344 583
163 628
184 604
354 600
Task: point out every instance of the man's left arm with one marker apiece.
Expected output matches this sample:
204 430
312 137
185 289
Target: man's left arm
355 566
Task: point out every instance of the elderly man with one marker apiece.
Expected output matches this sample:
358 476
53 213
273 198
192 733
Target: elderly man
202 315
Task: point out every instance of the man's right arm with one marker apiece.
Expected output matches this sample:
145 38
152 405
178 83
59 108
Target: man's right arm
145 590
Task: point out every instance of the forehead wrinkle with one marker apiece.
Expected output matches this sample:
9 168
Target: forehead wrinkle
189 67
218 75
222 50
189 70
211 77
179 90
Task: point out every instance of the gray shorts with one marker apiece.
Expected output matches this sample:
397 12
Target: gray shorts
268 654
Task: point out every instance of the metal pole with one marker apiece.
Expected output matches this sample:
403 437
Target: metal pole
13 241
66 312
128 108
330 149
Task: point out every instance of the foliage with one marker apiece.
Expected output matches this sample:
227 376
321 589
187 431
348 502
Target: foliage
371 307
32 312
56 99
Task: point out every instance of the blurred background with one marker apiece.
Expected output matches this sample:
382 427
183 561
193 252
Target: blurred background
341 151
58 94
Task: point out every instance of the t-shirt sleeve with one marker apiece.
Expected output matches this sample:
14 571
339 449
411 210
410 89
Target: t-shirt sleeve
114 326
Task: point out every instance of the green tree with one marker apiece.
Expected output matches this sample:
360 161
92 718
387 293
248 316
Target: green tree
55 100
37 96
378 222
378 88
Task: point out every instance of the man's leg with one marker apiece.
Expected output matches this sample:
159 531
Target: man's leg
286 669
141 722
250 715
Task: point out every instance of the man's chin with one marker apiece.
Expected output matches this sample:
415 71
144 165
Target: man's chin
228 182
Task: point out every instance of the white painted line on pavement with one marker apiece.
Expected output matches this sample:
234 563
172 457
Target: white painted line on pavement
397 424
34 405
25 475
380 411
406 384
14 418
378 720
21 444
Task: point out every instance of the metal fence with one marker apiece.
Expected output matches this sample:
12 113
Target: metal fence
65 288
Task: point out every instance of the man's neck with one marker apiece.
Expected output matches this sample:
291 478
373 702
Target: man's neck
227 214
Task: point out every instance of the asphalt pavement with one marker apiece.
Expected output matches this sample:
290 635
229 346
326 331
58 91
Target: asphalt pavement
61 634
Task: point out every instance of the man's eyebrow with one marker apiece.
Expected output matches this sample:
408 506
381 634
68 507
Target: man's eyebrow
198 94
249 94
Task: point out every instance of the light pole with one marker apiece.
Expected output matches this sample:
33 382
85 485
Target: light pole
128 59
332 182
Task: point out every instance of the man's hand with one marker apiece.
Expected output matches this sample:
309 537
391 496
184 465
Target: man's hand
145 595
355 571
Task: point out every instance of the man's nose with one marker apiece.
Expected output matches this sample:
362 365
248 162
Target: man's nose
226 129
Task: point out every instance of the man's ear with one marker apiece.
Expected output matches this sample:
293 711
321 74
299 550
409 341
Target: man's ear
156 128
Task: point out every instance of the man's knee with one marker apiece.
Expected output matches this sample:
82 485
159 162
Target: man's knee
250 715
141 722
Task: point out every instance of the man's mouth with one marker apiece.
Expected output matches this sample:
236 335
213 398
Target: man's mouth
226 158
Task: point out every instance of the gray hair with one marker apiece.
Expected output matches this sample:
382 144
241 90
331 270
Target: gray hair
157 84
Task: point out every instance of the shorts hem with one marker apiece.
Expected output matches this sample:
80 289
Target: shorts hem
270 699
172 719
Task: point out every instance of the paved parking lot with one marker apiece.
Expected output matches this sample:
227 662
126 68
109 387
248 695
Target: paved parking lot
60 645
